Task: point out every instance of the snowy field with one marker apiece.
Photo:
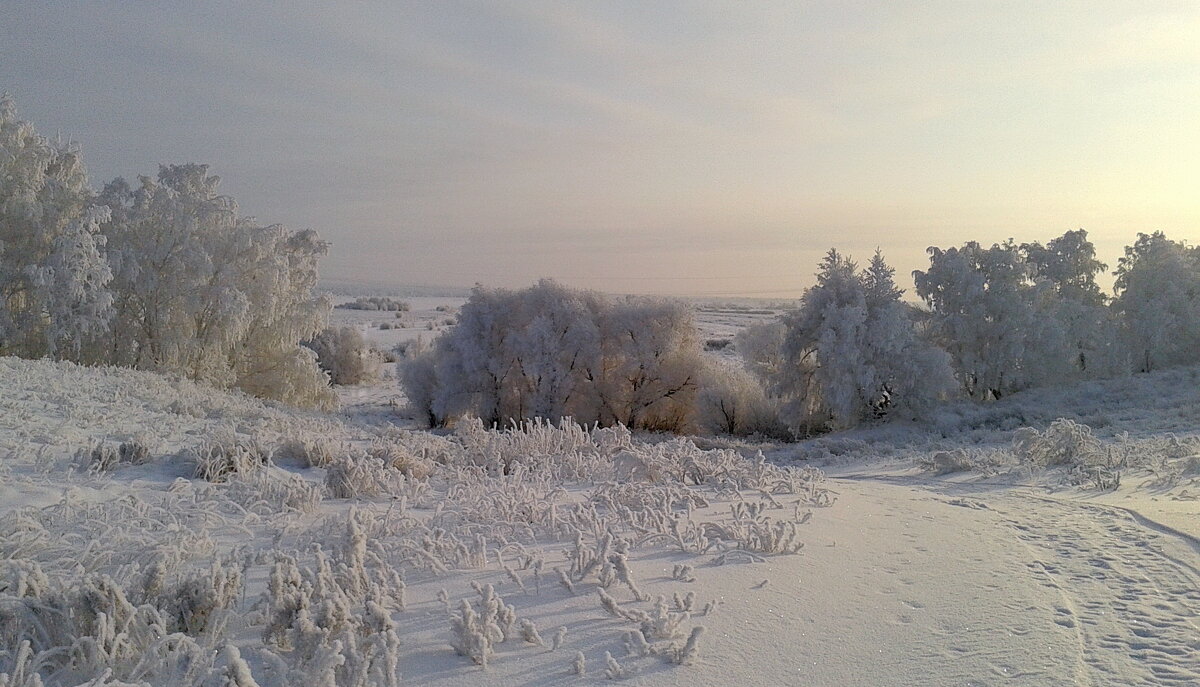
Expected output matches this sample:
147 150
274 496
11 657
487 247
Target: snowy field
155 531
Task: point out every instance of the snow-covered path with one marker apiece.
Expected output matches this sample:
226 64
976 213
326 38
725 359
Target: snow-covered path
911 583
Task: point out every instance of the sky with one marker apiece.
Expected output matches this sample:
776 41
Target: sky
678 148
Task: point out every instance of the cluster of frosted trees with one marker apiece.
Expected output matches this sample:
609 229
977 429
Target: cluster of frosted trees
1015 316
993 321
164 275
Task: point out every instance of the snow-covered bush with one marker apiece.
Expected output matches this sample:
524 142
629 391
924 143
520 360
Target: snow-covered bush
399 457
551 352
346 356
986 460
331 621
308 451
1064 442
476 629
105 457
417 372
271 492
217 460
732 401
363 476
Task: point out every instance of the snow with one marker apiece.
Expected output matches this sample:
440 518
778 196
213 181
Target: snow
1004 575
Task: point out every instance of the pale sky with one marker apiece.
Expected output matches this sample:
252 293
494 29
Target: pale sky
711 148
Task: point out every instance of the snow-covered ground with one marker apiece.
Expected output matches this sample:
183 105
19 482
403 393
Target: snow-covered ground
949 553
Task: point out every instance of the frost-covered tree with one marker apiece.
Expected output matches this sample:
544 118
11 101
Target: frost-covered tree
203 292
418 377
550 351
73 287
1158 301
855 345
760 346
53 274
910 372
1064 270
990 317
825 337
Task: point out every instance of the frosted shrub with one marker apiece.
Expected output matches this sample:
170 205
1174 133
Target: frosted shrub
687 653
476 629
105 457
22 670
274 491
237 671
530 633
362 476
683 572
94 629
613 670
195 604
662 623
579 664
314 611
550 352
377 303
346 356
568 451
418 377
308 452
21 578
659 633
217 460
731 401
1064 442
399 457
946 462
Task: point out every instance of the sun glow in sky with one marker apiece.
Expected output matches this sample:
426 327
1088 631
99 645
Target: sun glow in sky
653 147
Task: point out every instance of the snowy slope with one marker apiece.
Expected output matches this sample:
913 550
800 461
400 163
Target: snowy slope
998 575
